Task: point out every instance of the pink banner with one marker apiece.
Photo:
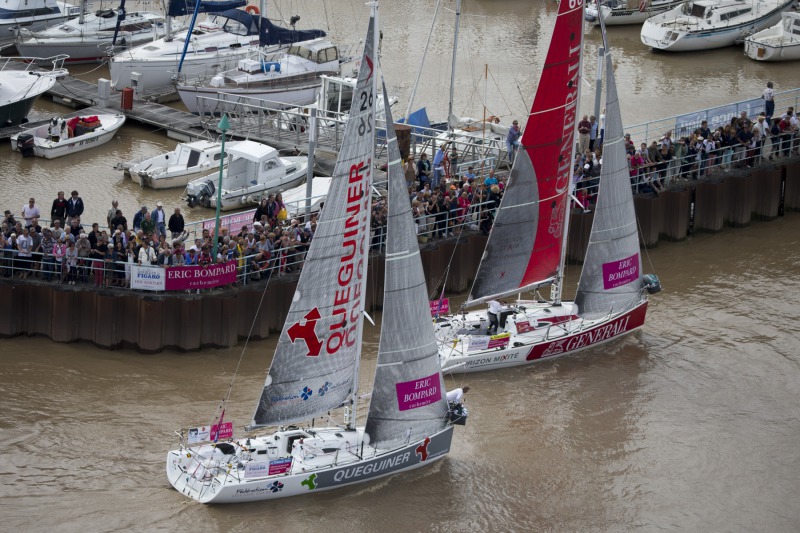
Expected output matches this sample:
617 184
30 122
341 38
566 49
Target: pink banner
618 273
498 342
280 466
225 431
232 222
196 277
418 393
440 307
524 326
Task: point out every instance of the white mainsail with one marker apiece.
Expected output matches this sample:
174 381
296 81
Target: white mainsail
408 400
315 367
611 278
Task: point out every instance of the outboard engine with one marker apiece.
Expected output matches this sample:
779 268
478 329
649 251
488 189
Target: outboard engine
25 144
651 283
457 414
200 193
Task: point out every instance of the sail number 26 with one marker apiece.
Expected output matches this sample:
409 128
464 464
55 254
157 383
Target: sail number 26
365 126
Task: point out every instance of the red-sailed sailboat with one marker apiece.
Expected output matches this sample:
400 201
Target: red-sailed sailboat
527 244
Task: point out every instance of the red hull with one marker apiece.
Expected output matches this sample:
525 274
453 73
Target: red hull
601 333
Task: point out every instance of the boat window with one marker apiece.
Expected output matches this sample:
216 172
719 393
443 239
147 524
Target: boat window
218 156
269 165
151 48
28 13
328 54
294 50
697 11
235 27
194 157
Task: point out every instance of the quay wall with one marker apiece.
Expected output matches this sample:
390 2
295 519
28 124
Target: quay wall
149 323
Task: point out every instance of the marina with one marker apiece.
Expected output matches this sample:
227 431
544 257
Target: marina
654 430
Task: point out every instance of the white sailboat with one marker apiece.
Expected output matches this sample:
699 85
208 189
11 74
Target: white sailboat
316 363
622 12
32 15
780 42
527 244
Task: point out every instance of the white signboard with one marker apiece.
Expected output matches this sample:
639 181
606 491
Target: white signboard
199 434
256 470
148 278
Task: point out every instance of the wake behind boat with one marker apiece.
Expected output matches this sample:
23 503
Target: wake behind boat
610 301
290 78
621 12
316 364
781 42
62 137
707 24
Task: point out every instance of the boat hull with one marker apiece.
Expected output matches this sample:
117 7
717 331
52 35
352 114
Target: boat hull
280 97
764 52
232 489
48 149
564 337
16 113
674 37
622 16
79 51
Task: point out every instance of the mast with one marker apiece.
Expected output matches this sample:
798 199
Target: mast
558 285
351 425
450 126
422 63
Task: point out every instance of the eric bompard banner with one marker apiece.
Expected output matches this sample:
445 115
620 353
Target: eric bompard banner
179 278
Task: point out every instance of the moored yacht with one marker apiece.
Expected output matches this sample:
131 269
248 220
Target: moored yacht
621 12
781 42
33 15
707 24
19 89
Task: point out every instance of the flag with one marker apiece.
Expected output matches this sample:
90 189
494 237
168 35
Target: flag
216 428
643 5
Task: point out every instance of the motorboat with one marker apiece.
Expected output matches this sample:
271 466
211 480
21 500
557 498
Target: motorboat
289 78
253 170
707 24
217 44
92 37
295 198
63 136
622 12
781 42
19 88
33 15
179 166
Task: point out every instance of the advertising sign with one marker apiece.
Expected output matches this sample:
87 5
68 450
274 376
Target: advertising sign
524 326
181 278
232 222
198 434
486 342
440 307
225 431
148 278
255 470
618 273
419 392
280 466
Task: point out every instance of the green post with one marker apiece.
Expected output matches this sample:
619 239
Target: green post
223 126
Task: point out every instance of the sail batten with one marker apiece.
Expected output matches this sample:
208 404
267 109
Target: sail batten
611 278
525 245
408 401
315 365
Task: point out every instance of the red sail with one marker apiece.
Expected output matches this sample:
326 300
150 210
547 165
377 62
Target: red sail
549 135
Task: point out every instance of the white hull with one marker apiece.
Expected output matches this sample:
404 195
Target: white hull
48 149
620 16
778 43
345 460
683 34
173 169
298 96
556 332
37 22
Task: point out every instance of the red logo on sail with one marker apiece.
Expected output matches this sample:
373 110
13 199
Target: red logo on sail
304 329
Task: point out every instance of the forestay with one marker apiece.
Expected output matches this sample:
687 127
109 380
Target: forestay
316 360
408 400
525 246
611 278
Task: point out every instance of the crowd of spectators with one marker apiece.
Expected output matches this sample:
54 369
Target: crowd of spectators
741 143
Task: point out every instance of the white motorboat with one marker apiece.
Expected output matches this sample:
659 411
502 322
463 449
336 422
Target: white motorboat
621 12
707 24
19 88
290 78
314 374
217 44
295 198
179 166
90 38
781 42
33 15
253 170
527 245
67 136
